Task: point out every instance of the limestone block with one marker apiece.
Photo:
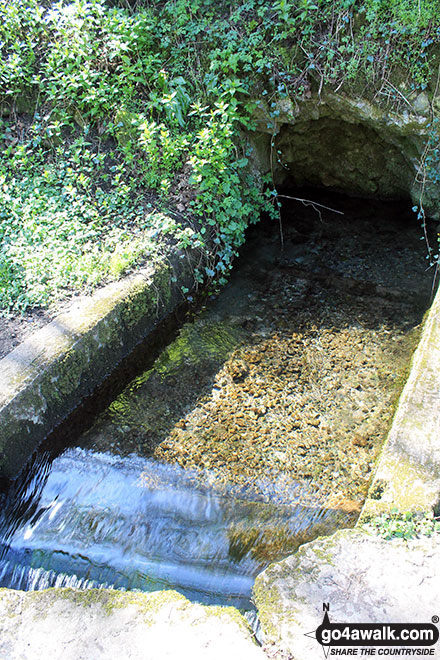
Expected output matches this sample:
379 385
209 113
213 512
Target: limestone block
364 579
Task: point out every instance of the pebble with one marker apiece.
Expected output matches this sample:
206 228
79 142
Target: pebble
306 391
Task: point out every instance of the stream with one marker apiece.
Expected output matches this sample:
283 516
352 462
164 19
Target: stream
255 430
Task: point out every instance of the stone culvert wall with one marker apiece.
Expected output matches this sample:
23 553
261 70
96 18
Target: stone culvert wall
352 145
47 376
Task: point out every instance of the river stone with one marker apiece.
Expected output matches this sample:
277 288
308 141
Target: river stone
68 624
362 577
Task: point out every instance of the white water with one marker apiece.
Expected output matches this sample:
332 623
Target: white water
133 523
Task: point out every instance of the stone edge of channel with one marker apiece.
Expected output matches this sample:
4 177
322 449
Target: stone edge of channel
47 376
407 475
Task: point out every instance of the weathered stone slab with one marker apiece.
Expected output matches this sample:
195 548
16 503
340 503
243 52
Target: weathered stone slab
48 375
109 625
362 577
408 472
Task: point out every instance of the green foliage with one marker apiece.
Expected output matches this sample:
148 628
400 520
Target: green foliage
223 205
94 57
166 88
65 223
403 525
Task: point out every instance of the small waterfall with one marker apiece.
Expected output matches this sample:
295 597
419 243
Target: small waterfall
99 520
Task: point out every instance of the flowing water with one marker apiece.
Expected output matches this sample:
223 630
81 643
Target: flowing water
134 523
254 431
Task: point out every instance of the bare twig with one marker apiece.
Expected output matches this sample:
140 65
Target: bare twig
402 96
309 202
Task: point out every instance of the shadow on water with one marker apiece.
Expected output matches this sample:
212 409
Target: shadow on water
216 453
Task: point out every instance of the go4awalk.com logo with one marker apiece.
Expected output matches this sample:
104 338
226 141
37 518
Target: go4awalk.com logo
371 639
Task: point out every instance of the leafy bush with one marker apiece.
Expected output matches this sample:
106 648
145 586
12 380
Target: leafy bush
403 525
65 222
166 88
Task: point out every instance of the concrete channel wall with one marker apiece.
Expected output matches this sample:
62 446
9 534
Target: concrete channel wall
45 378
407 475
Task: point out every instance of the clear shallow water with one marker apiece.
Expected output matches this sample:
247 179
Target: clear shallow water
98 520
189 478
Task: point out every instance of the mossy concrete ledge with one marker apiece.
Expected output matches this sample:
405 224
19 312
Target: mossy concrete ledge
48 375
108 625
364 578
408 471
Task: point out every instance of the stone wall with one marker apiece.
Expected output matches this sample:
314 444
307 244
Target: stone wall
353 145
47 376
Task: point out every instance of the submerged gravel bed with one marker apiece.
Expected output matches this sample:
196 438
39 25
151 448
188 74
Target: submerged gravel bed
292 374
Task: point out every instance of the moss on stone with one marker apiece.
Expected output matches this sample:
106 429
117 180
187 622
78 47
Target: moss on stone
409 488
231 613
148 604
58 368
143 301
268 602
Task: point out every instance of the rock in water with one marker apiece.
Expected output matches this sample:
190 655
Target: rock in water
362 577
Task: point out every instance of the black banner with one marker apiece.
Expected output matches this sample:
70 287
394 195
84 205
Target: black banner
376 634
